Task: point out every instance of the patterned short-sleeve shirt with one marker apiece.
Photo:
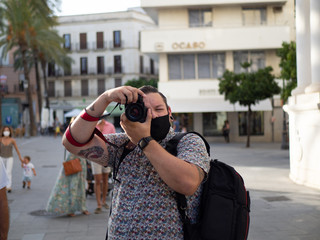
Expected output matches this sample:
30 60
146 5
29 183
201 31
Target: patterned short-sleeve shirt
143 206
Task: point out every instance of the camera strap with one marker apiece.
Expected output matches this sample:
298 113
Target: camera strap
104 116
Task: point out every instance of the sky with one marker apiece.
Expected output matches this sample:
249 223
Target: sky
74 7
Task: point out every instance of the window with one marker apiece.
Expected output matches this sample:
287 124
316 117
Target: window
188 62
254 16
117 64
256 58
200 18
67 88
100 65
51 69
84 87
83 41
101 86
51 89
100 40
67 69
218 64
116 39
213 122
67 41
208 65
84 65
141 64
117 82
151 66
204 65
257 124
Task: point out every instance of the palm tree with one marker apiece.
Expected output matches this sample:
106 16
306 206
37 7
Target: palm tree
17 29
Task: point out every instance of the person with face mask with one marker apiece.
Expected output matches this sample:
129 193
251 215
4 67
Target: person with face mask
146 175
7 143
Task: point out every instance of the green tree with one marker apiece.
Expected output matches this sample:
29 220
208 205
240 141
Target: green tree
141 82
248 88
288 65
18 29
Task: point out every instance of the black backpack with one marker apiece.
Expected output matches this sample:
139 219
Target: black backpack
225 203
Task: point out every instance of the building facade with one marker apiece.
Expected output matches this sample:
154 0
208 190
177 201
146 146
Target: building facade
196 41
13 94
105 49
304 105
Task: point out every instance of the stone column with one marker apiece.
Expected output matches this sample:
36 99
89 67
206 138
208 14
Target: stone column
303 46
315 46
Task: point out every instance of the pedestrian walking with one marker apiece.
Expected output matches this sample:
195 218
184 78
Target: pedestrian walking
68 196
147 176
7 143
101 173
28 172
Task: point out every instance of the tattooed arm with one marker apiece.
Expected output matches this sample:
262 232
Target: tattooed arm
81 130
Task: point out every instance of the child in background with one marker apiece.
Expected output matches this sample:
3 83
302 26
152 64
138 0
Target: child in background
28 172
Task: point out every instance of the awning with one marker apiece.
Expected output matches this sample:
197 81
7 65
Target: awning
214 105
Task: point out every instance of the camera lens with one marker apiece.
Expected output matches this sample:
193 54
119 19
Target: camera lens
134 112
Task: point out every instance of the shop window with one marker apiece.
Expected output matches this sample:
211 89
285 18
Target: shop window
212 123
257 123
200 18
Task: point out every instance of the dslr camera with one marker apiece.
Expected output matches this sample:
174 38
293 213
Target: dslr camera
136 112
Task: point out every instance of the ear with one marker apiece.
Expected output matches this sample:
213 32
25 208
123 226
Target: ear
170 114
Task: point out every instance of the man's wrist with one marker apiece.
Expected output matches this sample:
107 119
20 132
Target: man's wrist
144 142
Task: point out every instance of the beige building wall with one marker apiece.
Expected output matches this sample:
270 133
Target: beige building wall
227 34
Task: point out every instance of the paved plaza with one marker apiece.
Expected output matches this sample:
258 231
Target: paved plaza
280 209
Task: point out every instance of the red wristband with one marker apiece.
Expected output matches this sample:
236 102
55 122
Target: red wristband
74 142
87 117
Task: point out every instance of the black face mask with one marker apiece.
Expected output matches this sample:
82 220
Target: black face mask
160 127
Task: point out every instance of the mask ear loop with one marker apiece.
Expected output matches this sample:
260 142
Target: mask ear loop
108 114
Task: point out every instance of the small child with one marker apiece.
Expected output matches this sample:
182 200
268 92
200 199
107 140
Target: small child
28 171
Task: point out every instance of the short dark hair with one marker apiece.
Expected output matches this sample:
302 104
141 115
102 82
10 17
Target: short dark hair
150 89
27 157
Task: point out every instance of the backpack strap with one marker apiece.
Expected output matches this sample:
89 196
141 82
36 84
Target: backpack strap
181 199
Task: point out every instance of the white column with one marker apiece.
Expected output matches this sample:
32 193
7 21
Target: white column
315 46
303 45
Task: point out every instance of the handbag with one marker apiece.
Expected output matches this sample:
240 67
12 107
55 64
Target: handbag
72 166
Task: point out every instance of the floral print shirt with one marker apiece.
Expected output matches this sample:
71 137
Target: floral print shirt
143 206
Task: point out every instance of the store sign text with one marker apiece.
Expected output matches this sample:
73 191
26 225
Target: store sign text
188 45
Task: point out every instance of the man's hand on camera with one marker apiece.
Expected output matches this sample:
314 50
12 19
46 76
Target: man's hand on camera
136 130
123 95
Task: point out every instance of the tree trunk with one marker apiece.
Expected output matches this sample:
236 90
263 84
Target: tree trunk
248 126
29 96
39 95
45 84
